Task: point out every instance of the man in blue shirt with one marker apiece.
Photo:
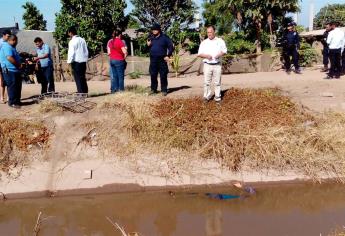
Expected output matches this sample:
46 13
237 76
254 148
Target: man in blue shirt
161 48
10 64
45 73
5 35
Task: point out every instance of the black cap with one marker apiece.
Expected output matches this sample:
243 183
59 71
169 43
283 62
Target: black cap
6 32
155 26
291 24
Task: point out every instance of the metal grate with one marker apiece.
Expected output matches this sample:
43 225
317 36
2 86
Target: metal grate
74 102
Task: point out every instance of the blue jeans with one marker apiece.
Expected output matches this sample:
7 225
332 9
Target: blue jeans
117 80
13 82
47 79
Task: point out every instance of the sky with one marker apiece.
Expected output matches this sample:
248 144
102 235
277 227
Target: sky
11 10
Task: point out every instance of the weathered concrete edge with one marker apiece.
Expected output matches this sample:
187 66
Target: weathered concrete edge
117 188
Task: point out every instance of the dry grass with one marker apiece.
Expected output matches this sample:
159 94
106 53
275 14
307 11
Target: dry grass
111 124
47 106
138 89
259 129
340 231
16 136
251 129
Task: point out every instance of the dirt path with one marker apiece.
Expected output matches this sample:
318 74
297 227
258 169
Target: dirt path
309 89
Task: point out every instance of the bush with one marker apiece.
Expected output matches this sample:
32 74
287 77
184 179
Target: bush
142 50
238 44
135 74
308 55
192 43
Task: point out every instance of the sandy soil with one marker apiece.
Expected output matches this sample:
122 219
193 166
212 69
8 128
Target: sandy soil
68 165
309 89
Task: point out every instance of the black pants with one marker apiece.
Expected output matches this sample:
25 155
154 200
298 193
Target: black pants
335 58
79 71
288 52
343 61
159 65
325 56
46 78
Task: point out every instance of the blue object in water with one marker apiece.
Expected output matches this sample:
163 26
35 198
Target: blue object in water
222 196
250 190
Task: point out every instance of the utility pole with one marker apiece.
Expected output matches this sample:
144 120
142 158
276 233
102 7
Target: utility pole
311 15
296 15
295 18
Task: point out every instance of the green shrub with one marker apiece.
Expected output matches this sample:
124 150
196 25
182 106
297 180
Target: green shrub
308 55
134 75
140 45
237 43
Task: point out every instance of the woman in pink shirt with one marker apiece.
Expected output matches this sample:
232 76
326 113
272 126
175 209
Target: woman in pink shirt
117 52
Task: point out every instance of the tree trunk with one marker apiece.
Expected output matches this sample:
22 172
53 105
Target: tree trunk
258 47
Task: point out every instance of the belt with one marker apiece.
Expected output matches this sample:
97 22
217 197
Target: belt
212 64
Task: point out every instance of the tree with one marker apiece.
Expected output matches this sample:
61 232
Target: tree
224 21
133 23
95 21
33 19
252 16
334 12
164 12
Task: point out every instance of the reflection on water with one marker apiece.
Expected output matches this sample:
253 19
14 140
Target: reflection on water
285 210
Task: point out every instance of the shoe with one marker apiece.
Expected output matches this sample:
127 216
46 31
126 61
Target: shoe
337 77
14 106
153 92
164 94
217 99
325 69
328 77
206 100
298 71
288 71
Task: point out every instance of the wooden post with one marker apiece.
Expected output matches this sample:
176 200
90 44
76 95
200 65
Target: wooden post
55 65
132 48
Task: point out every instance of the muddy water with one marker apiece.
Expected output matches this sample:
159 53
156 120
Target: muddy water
284 210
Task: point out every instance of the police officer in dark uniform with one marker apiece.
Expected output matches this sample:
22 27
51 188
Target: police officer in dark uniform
291 46
325 51
161 48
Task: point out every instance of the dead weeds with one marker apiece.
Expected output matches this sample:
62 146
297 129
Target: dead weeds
260 129
47 106
16 136
339 231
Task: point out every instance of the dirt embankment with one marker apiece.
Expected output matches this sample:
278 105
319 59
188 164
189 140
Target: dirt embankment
250 130
19 140
133 138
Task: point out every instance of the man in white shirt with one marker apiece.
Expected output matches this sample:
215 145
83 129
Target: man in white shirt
211 50
78 55
335 41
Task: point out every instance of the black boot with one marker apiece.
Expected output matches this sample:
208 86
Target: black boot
325 68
